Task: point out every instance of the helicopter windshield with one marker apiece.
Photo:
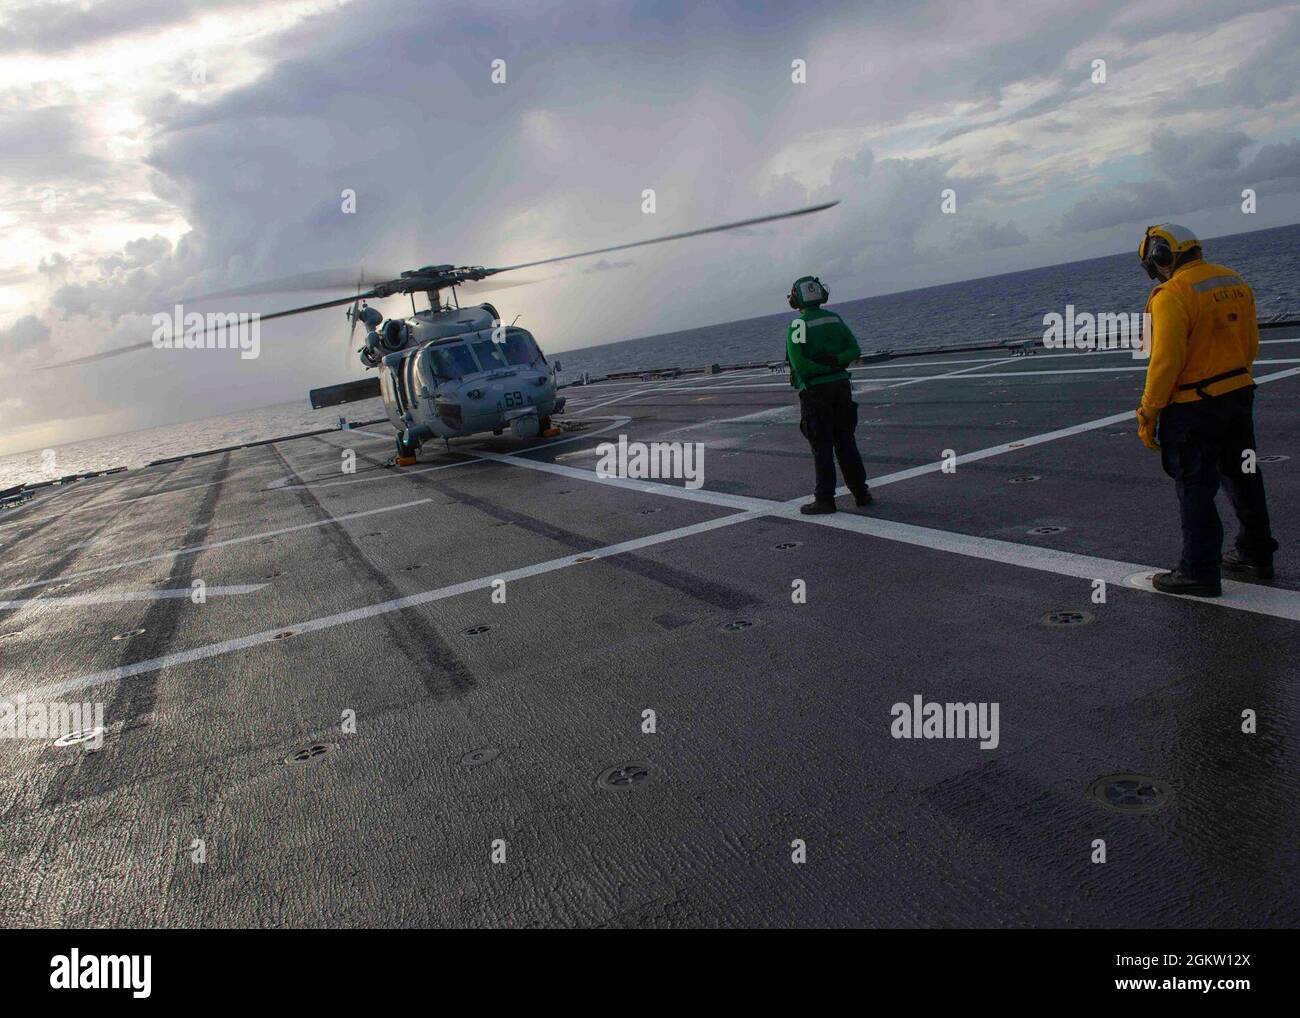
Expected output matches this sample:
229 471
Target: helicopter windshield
520 349
454 361
489 354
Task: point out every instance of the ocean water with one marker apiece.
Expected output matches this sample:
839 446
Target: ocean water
1010 306
136 448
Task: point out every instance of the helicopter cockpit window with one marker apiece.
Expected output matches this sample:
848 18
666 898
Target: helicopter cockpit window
489 354
520 350
454 361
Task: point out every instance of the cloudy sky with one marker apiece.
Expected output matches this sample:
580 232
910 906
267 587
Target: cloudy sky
155 149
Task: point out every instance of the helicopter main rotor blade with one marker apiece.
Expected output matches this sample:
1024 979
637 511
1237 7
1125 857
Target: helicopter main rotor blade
738 224
119 351
307 282
484 285
340 278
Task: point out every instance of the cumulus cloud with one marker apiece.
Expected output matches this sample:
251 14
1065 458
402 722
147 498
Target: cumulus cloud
43 26
164 187
27 333
1267 77
1196 171
124 281
987 236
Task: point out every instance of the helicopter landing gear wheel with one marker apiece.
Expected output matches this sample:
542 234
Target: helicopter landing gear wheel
406 450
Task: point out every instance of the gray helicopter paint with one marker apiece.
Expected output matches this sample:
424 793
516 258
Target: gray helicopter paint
422 405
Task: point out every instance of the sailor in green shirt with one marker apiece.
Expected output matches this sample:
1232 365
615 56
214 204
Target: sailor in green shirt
818 348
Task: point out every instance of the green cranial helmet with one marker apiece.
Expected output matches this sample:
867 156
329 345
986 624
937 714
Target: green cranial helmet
808 292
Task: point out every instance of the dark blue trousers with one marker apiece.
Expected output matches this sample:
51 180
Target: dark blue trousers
1202 444
828 417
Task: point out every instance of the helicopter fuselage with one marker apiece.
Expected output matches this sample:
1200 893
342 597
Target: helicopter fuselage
461 372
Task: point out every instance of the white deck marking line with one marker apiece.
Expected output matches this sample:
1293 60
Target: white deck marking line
81 506
998 450
717 498
947 374
657 385
1097 371
1250 597
616 399
583 394
120 596
878 381
370 611
786 385
1272 601
764 417
901 358
196 548
279 485
282 485
583 399
576 405
963 376
745 502
1032 440
650 386
905 380
1238 596
84 508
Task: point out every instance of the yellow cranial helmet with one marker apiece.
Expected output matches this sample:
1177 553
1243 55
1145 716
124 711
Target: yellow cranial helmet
1162 244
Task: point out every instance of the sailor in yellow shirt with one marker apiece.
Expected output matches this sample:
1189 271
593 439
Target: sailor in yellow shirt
1199 400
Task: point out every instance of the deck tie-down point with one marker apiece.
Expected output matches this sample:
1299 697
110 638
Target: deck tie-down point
1130 793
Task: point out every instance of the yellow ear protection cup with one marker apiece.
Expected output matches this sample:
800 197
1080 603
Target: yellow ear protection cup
1154 252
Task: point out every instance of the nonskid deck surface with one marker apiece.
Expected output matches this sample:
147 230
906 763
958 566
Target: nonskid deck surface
470 793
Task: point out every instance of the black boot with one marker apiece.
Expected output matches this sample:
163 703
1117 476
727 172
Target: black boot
862 496
1177 583
818 507
1255 567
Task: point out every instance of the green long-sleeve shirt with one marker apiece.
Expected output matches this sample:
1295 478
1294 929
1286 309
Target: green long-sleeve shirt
823 332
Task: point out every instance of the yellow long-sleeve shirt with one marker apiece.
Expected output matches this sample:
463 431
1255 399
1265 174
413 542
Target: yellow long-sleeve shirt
1203 326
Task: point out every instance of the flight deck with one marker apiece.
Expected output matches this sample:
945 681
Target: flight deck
498 689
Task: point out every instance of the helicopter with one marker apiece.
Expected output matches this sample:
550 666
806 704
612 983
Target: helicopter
446 371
